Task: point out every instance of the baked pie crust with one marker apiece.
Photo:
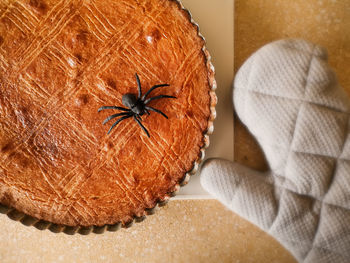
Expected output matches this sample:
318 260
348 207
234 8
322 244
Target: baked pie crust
62 60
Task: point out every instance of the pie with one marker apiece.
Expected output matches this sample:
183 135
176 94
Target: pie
60 61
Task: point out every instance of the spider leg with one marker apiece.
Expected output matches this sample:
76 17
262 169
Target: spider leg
153 88
138 85
139 117
159 97
115 116
112 108
155 110
114 124
142 127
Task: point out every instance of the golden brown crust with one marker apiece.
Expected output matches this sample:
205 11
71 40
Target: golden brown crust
60 62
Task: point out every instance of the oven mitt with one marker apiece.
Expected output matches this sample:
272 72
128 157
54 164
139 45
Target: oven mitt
289 98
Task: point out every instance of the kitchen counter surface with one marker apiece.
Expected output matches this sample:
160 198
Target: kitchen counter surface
183 231
202 230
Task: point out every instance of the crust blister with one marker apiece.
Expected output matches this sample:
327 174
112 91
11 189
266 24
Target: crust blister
27 220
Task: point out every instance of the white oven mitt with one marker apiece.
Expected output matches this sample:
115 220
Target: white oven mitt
288 97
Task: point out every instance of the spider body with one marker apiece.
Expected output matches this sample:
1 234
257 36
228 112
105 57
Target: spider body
130 101
135 106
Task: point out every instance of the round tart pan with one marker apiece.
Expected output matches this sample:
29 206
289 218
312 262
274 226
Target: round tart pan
27 220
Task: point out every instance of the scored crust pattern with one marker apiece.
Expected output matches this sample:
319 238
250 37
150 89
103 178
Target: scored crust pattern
84 43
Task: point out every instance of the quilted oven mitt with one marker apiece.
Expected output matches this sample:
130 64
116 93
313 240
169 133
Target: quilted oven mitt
288 97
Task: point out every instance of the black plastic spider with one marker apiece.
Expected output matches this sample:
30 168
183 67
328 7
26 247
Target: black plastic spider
136 107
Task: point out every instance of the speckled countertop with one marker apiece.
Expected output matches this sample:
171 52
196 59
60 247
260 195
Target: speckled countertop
202 230
183 231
